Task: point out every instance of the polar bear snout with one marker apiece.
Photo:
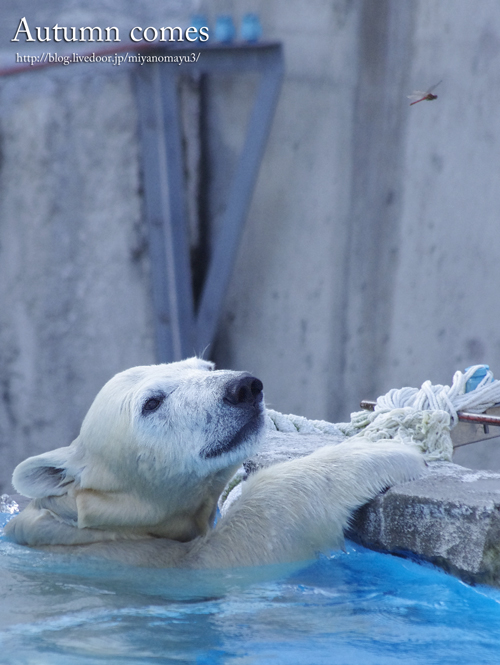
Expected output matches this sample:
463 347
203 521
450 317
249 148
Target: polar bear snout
238 421
246 390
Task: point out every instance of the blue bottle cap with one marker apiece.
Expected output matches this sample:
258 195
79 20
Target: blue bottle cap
224 28
198 21
251 29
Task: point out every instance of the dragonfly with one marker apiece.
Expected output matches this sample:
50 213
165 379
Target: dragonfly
419 96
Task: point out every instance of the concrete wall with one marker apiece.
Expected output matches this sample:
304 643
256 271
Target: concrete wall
282 315
369 259
75 294
375 227
73 260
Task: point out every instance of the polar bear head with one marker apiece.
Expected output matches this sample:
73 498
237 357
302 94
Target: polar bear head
155 450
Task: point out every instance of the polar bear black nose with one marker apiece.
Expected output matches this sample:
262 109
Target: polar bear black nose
244 390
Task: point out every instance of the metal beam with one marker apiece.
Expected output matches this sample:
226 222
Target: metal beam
179 330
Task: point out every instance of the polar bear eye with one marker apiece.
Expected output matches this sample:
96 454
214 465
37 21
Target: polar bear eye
152 404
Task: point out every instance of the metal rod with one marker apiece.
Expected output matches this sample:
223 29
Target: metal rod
239 198
468 443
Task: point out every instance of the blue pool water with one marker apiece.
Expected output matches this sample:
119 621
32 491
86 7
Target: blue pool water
355 607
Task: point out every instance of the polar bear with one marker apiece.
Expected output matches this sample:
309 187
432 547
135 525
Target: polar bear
158 445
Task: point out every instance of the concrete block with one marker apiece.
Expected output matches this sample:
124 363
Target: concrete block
450 517
281 447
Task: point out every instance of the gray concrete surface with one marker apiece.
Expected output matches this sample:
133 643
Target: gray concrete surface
73 261
370 256
281 447
75 295
476 448
450 518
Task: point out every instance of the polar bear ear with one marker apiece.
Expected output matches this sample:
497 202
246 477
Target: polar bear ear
195 363
44 475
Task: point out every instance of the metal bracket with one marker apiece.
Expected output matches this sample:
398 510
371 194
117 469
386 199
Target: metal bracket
180 330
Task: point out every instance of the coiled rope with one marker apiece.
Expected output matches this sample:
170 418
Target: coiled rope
418 416
443 398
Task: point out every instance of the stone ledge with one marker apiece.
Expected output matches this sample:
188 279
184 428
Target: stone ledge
450 517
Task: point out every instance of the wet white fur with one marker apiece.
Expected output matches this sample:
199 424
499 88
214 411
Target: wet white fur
136 488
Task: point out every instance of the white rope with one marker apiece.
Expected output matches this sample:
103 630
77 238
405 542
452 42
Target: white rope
422 417
280 422
443 398
429 430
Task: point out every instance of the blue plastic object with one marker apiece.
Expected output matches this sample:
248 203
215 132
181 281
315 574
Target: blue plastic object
199 21
225 31
476 378
251 29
